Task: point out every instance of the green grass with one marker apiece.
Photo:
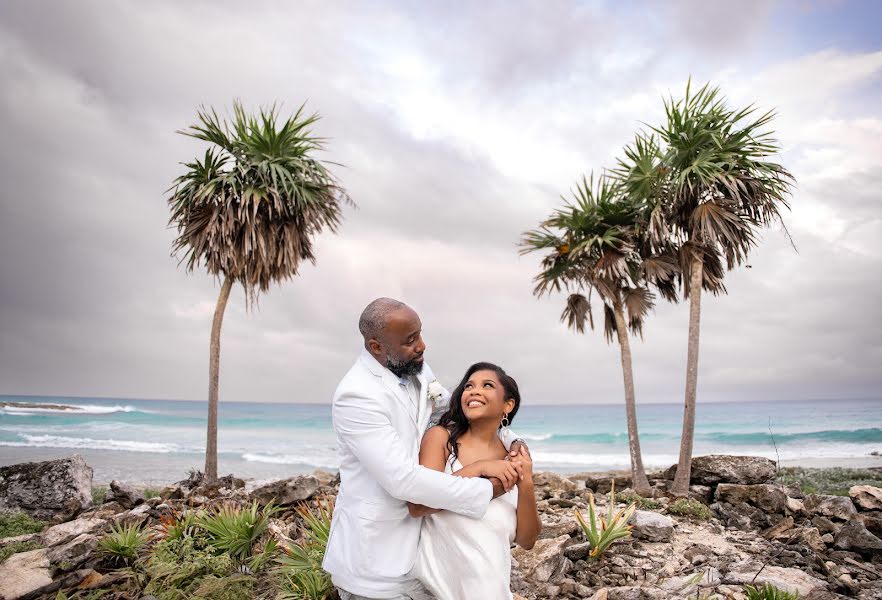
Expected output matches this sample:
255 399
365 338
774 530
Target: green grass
151 493
16 547
834 481
641 502
768 592
98 494
15 524
688 507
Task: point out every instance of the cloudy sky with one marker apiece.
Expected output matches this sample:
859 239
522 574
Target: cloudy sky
459 126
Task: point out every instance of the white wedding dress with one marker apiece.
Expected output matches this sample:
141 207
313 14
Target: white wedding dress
462 558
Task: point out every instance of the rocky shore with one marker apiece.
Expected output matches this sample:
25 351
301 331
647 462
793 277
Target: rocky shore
737 527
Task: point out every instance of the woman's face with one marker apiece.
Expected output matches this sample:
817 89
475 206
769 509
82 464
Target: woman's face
484 397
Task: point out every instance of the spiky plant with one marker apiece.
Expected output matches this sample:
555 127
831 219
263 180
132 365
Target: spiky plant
249 211
122 544
300 567
594 244
768 591
602 533
235 531
717 184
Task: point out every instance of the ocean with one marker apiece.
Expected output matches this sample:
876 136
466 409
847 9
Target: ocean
155 442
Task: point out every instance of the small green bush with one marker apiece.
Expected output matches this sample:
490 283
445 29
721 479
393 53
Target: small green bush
123 543
236 531
768 592
833 481
301 576
151 493
640 501
16 547
689 507
99 493
19 523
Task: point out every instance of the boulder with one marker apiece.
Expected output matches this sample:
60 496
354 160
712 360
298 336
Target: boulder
124 494
770 498
787 579
578 551
651 526
72 554
811 537
25 574
544 561
741 516
717 468
855 537
63 532
873 522
866 497
601 483
283 491
836 507
555 482
53 490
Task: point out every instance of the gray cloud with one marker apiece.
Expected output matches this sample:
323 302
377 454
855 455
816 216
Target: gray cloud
520 100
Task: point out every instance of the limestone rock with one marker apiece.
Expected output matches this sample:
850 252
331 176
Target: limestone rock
124 494
544 561
601 483
770 498
50 490
554 481
72 554
866 497
63 532
811 537
854 536
652 526
24 574
789 580
836 507
715 469
578 551
283 491
873 522
556 529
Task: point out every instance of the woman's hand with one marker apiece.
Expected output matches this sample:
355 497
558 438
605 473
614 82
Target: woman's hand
525 466
505 471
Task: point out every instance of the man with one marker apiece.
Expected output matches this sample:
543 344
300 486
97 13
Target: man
380 413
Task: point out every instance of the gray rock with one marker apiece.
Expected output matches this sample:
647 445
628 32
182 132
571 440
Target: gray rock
25 574
873 522
544 561
715 469
50 490
825 525
866 497
578 551
124 494
787 579
836 507
70 555
554 481
854 536
63 532
283 491
770 498
651 526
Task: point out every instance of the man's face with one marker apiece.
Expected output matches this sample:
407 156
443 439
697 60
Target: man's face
401 345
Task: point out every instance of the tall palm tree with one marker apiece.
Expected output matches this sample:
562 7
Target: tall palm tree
719 187
592 245
248 211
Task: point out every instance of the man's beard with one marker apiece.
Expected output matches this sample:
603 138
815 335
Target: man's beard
404 368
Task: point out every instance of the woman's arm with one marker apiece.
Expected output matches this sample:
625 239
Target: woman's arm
433 455
529 524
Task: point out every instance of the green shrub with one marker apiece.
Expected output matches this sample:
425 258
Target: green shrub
19 523
834 481
300 568
99 493
151 493
177 527
640 501
689 507
768 592
123 542
177 567
615 527
16 547
234 530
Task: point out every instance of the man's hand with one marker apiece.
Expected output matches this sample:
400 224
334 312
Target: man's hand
498 487
515 450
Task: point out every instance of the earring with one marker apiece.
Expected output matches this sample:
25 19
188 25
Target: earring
505 421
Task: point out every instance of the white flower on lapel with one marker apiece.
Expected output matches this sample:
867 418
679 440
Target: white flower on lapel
434 392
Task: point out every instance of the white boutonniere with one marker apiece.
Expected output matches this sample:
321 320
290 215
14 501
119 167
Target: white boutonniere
435 392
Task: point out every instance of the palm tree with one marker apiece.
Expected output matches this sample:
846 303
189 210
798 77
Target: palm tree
718 187
594 244
248 211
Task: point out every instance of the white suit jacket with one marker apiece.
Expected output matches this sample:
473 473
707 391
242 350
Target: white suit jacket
373 540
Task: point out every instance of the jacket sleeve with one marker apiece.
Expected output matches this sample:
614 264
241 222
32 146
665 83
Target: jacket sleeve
363 426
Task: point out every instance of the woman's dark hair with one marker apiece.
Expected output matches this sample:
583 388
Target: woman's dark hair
455 421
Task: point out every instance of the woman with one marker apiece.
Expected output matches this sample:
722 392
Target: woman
461 558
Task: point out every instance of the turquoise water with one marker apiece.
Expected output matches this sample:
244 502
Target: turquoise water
153 440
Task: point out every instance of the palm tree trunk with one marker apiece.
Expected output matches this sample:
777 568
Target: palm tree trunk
684 465
639 482
213 372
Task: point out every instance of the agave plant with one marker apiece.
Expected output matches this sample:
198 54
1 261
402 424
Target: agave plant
175 527
235 531
603 534
123 542
768 592
300 567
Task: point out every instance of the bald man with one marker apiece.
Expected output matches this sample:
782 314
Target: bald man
381 411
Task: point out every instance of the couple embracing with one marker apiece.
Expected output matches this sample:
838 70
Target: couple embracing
425 512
